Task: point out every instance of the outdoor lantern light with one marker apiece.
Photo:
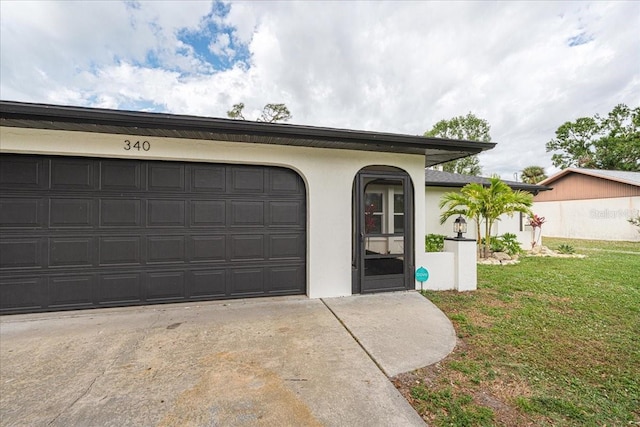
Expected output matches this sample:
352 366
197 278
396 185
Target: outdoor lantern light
460 226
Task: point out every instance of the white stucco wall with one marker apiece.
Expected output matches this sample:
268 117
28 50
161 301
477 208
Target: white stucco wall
328 175
506 224
598 219
440 266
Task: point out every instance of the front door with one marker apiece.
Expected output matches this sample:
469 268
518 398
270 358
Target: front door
383 230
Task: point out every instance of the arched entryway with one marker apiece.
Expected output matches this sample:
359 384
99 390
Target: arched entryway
382 248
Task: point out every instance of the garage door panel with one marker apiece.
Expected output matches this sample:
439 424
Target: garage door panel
120 250
71 291
21 253
86 232
20 294
166 285
23 173
120 175
166 177
72 174
120 213
247 281
283 181
247 213
286 213
247 247
65 212
247 180
208 248
166 213
208 178
18 212
71 251
120 288
207 284
286 278
208 213
163 249
287 246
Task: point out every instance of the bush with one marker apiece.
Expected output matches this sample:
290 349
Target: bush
511 244
566 249
434 242
495 244
508 243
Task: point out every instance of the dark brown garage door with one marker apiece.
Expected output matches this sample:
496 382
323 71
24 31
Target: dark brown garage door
82 232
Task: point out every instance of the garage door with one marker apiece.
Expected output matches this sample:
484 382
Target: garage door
83 233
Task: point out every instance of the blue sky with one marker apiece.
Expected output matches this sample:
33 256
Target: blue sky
525 67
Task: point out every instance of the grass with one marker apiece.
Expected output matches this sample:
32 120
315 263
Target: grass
549 341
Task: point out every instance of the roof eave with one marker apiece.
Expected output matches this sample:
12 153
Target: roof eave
28 115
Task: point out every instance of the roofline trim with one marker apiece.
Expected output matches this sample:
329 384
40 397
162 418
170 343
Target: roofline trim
567 171
137 119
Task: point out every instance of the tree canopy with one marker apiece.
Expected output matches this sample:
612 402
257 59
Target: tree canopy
271 113
611 142
468 128
533 174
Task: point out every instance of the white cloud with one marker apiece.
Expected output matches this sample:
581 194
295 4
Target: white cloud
386 66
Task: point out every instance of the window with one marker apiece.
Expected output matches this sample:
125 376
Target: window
384 210
398 213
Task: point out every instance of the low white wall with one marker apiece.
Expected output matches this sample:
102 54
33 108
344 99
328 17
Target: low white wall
597 219
328 175
441 271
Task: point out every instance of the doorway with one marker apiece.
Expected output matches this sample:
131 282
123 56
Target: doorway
382 258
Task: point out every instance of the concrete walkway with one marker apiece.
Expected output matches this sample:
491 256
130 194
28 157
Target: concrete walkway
264 362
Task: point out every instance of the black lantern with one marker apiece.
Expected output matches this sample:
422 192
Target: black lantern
460 226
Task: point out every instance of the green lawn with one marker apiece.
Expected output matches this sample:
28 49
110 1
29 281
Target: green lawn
550 341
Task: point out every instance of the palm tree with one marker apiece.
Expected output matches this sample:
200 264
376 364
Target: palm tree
499 199
533 174
466 202
485 203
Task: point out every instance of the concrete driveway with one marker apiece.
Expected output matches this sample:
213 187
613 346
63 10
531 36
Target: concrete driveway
265 362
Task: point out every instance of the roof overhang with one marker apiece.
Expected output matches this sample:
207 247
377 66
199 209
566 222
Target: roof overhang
83 119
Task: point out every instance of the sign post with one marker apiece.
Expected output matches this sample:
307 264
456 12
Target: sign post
422 275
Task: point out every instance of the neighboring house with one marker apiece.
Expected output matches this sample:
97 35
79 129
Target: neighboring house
590 204
438 183
103 208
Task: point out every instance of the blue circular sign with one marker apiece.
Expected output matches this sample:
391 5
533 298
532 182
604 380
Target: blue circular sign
422 275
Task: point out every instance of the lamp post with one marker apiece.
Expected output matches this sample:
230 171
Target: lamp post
459 226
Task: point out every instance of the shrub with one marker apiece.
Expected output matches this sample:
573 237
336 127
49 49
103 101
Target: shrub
511 244
566 249
495 244
434 242
508 243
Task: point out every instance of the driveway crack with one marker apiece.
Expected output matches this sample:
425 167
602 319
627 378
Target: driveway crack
344 325
87 389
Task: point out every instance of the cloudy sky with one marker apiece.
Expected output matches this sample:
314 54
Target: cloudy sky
391 66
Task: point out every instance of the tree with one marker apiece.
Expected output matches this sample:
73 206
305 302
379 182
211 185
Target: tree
271 113
486 203
533 174
468 128
611 142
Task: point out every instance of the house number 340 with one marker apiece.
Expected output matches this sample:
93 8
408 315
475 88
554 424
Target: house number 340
137 145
